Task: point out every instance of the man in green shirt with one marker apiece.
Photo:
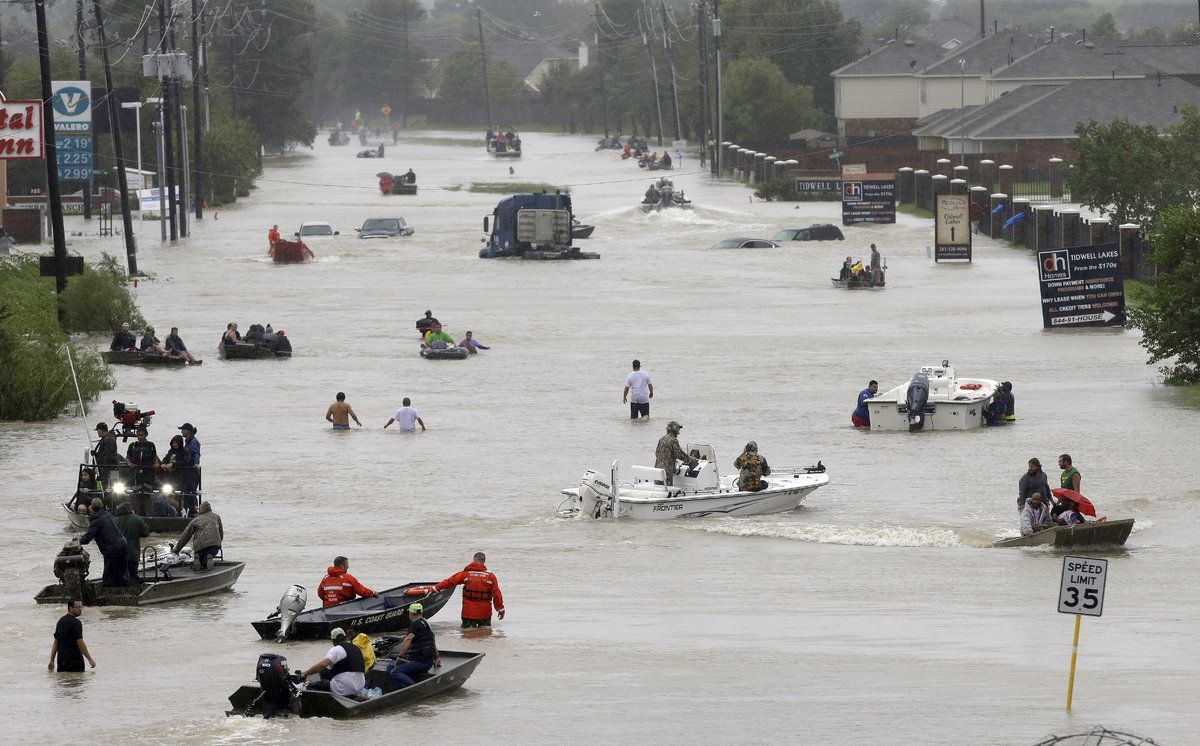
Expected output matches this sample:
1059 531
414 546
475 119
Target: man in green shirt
435 334
1070 478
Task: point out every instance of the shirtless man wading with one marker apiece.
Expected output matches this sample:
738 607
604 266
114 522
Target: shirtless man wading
340 412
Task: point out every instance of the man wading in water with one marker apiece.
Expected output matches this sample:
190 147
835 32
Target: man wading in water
339 413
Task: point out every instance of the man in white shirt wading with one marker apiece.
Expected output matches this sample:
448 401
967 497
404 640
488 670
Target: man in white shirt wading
407 417
638 383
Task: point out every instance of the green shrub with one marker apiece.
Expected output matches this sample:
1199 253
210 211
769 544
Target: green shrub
99 299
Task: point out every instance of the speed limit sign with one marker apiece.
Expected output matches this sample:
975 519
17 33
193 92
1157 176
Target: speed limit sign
1082 589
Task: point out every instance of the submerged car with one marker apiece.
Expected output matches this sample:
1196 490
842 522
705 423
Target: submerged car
746 243
315 231
384 228
819 232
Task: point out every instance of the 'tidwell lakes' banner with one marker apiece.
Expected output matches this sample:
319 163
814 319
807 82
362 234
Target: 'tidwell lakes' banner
1082 286
868 198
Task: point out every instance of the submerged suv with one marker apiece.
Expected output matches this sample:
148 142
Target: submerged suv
384 228
819 232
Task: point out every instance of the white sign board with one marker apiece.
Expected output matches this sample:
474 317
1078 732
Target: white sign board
21 130
953 220
1082 589
72 102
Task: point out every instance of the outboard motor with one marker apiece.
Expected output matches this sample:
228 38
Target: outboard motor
915 401
71 568
289 608
271 673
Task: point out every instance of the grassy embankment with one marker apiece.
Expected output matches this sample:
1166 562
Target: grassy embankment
35 376
513 187
914 211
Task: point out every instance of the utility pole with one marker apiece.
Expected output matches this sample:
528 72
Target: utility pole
487 98
716 25
167 122
654 72
671 64
114 118
603 70
55 195
180 132
81 49
702 35
197 172
983 23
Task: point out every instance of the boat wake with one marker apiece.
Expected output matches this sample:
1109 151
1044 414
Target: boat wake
818 533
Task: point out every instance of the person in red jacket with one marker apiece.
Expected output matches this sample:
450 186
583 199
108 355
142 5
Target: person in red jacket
339 586
480 592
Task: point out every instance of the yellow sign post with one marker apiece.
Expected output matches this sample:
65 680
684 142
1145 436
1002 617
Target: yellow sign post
1074 651
386 110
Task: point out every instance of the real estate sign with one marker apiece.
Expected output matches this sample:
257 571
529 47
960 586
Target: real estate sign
868 198
1082 286
952 227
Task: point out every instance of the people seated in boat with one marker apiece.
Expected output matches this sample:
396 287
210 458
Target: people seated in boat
177 465
418 652
142 457
1069 513
861 416
342 670
84 492
470 345
751 469
280 343
668 451
424 324
437 339
255 333
176 347
665 161
123 339
1035 516
231 336
652 195
339 586
844 274
151 343
206 532
627 150
410 177
1033 480
273 235
362 641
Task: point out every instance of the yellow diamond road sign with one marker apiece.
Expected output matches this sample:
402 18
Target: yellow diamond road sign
386 110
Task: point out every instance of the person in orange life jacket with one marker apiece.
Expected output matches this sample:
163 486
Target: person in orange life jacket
481 591
339 585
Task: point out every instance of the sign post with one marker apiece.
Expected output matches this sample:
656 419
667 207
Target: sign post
1082 286
952 227
1081 593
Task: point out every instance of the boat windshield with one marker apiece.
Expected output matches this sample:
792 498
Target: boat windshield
785 235
381 224
321 229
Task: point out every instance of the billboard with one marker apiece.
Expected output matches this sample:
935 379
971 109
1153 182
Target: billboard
1082 286
868 198
952 227
72 102
21 130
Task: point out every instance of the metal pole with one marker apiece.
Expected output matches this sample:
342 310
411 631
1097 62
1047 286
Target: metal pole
654 72
162 186
81 50
199 172
603 71
720 113
181 135
962 105
185 185
671 63
704 110
487 98
114 117
167 122
51 151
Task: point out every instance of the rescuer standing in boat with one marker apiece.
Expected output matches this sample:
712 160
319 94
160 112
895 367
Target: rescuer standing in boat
481 591
339 585
668 451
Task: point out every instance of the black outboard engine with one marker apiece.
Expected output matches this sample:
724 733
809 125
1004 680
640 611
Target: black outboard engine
277 685
71 566
915 401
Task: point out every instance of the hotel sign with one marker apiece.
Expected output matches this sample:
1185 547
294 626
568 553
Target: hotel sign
21 130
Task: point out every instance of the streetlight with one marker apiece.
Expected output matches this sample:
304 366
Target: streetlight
137 107
962 105
159 132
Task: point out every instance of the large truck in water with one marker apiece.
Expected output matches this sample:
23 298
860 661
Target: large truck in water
531 226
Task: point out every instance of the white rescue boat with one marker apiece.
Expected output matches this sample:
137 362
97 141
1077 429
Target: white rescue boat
935 399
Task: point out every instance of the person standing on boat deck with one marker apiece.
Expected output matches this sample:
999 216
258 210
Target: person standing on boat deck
111 544
123 339
1070 479
176 347
273 235
68 649
339 413
418 652
643 391
206 532
861 416
668 451
134 529
407 417
424 324
481 591
106 453
142 457
339 586
191 476
1033 480
752 468
1035 516
341 669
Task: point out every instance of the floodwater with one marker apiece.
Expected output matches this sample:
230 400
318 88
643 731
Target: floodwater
873 614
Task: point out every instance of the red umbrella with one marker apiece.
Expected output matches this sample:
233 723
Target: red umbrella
1085 505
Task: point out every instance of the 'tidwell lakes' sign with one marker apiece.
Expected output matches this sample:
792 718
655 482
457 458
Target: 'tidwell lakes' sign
20 130
1082 286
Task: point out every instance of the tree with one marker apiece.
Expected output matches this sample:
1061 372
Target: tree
1169 316
762 106
378 62
807 39
461 80
1132 172
1104 28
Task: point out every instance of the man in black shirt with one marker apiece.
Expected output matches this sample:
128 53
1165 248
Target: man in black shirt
68 648
143 457
418 647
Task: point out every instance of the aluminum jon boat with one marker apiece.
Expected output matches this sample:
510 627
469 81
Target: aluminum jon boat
385 612
695 493
456 668
155 585
1092 534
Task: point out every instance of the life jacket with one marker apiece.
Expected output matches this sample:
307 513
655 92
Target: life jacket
338 586
478 586
353 662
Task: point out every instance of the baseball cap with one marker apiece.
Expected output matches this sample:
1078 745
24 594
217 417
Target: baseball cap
415 608
337 633
186 426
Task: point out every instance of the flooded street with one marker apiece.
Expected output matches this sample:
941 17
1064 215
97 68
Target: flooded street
873 614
